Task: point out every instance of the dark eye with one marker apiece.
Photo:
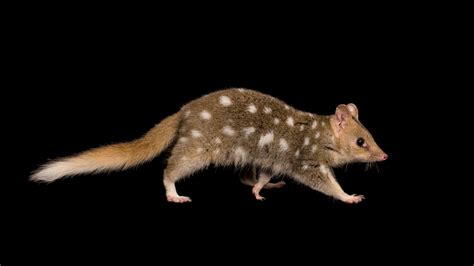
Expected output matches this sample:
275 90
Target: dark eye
360 142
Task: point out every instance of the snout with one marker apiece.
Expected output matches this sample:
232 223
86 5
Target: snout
382 157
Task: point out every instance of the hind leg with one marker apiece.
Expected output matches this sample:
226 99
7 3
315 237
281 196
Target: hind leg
179 167
263 180
249 178
279 184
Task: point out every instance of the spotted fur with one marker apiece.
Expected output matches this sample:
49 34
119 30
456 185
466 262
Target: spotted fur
241 128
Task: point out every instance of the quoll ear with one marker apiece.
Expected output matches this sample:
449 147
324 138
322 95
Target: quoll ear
342 115
353 110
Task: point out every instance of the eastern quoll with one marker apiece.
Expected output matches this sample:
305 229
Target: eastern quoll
243 128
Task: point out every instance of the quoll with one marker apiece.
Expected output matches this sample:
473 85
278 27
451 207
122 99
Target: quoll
245 129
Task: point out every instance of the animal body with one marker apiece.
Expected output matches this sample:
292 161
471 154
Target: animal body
241 128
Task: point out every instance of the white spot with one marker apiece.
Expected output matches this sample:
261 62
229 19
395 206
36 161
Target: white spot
240 154
196 133
252 108
290 122
317 135
199 150
265 139
314 125
297 153
248 131
323 124
267 110
287 107
301 127
205 115
227 130
305 167
314 148
306 141
283 145
225 101
217 141
184 158
276 121
241 90
186 115
323 169
183 140
216 151
310 114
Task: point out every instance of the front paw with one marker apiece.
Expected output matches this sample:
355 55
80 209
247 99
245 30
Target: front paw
353 199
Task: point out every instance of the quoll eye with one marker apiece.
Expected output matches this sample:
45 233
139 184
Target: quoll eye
360 142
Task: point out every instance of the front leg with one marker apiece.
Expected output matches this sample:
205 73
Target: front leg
322 179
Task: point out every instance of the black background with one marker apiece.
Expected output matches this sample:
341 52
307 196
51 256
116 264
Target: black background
81 85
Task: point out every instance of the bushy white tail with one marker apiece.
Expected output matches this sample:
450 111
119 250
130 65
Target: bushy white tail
113 157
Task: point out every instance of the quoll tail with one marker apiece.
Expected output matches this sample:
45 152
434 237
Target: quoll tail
113 157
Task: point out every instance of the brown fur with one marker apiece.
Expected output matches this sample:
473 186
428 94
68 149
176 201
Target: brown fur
237 127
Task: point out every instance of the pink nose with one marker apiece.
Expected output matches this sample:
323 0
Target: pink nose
384 157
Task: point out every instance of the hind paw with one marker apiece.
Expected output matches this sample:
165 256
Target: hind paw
260 198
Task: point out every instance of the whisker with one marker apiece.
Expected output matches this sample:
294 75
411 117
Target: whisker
368 166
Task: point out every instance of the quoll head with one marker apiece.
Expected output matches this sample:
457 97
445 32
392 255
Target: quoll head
355 141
